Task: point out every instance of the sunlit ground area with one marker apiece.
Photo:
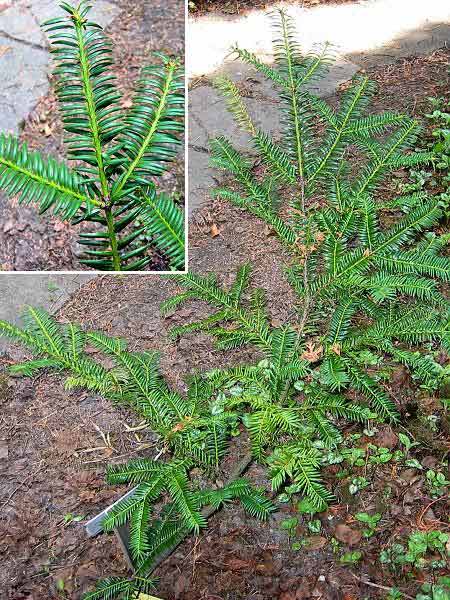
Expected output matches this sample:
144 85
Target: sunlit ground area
353 28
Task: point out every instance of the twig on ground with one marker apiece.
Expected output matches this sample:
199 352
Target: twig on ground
421 524
378 586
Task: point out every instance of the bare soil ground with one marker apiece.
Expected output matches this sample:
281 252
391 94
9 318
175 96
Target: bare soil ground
32 243
57 453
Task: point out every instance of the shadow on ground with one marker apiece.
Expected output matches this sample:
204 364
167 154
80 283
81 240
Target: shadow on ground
209 117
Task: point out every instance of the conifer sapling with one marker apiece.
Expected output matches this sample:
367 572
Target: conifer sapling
363 285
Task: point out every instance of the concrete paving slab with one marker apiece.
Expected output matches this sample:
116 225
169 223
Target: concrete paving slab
23 72
24 58
210 118
363 28
339 73
201 180
46 291
416 43
19 22
246 77
261 87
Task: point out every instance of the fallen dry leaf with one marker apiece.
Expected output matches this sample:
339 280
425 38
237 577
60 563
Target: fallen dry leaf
347 535
312 353
386 438
215 231
320 236
237 564
59 226
267 568
268 231
181 425
315 542
48 130
4 50
399 376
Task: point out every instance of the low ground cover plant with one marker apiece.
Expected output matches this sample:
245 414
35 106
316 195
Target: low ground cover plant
116 155
369 294
440 118
433 177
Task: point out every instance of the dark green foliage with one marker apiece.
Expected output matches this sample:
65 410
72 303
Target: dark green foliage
119 588
289 395
164 221
440 118
363 284
47 183
119 154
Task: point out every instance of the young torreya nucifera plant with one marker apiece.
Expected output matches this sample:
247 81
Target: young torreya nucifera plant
118 154
363 287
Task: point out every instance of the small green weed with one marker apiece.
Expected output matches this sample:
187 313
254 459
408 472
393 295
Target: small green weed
419 545
289 525
357 484
436 483
379 456
406 442
71 518
315 526
394 594
351 558
370 520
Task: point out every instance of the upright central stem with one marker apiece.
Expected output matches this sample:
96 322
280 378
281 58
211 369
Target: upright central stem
307 302
293 95
96 139
91 108
113 239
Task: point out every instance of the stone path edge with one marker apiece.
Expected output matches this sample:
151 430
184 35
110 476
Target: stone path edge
49 292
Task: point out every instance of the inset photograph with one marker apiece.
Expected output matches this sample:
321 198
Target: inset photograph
92 147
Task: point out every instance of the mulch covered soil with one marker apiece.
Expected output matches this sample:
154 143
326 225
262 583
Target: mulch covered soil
56 444
29 242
